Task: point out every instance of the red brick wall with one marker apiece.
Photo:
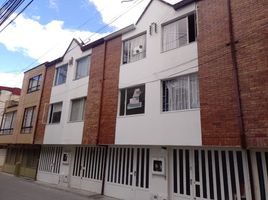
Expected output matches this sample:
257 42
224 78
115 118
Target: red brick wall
219 116
251 31
110 92
43 110
92 106
100 103
217 97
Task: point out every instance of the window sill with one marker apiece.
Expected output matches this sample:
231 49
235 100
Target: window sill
76 79
124 64
29 92
75 121
179 111
5 134
56 123
134 115
162 51
59 84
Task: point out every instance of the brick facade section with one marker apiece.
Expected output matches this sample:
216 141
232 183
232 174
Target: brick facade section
219 108
251 32
92 105
102 97
110 92
44 105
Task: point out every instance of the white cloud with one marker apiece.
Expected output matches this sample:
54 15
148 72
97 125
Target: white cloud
11 79
53 4
43 42
111 9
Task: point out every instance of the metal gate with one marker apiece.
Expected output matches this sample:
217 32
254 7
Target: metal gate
50 159
128 172
210 174
260 174
88 168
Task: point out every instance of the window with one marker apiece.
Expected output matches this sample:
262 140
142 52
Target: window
134 49
34 83
77 109
181 93
179 33
55 113
132 100
82 67
27 124
7 124
61 73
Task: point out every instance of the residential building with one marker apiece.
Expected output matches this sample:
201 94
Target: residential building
173 107
21 152
9 98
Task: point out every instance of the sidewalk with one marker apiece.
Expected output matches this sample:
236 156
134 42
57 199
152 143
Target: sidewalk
85 193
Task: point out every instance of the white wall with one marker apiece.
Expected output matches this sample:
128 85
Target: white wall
67 132
154 127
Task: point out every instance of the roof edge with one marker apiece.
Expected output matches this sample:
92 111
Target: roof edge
44 63
183 3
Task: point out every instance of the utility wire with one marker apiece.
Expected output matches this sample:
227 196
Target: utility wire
16 16
136 3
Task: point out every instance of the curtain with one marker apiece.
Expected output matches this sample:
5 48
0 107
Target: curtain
194 94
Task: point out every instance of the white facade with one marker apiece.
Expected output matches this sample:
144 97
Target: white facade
67 132
155 127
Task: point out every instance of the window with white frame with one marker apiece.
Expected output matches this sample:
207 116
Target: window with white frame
181 93
77 109
34 83
61 73
179 33
27 123
134 49
82 67
55 113
132 100
7 124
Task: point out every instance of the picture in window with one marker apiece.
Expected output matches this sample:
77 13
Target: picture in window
132 100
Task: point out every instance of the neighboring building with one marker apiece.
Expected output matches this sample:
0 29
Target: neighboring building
9 98
23 153
173 107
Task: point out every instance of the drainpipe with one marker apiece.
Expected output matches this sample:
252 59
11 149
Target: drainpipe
238 94
236 77
102 86
99 122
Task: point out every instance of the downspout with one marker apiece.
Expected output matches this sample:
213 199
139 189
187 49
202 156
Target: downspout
236 77
101 96
99 122
36 123
238 94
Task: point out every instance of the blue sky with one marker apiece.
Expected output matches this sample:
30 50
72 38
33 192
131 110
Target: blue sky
45 29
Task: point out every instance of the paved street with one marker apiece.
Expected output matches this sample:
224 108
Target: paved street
13 188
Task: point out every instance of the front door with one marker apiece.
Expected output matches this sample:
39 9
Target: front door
128 173
209 174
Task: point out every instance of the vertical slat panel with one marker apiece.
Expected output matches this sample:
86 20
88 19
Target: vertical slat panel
229 175
265 175
221 176
236 176
246 176
214 175
207 174
200 174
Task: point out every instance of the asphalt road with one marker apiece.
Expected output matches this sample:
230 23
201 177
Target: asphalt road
14 188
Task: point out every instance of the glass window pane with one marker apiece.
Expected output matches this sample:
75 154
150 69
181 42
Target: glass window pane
194 91
55 112
134 49
77 109
61 74
182 36
82 68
